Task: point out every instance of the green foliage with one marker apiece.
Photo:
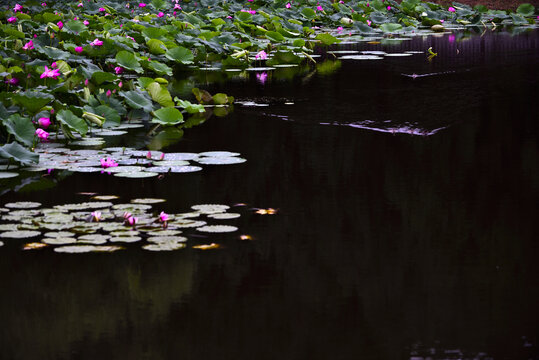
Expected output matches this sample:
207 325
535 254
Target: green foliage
167 116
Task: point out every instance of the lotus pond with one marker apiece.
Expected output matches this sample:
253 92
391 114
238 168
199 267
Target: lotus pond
364 189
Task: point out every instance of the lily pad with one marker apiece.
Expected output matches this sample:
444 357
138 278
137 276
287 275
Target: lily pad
78 249
105 197
59 240
20 234
224 216
180 156
220 160
164 247
136 175
23 205
125 239
219 154
210 208
217 228
7 175
147 201
166 239
174 169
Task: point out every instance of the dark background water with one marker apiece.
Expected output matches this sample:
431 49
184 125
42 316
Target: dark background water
386 246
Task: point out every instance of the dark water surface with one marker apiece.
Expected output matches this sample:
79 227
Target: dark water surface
386 246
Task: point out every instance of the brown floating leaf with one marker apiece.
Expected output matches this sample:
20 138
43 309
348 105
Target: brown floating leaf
34 245
207 246
246 237
269 211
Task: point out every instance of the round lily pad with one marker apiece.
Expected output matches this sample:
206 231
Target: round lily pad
112 133
76 249
20 234
7 174
188 223
166 239
147 201
180 156
171 163
58 234
164 247
217 228
210 208
166 232
132 207
219 154
125 239
125 169
224 216
137 175
94 239
220 160
59 240
8 227
360 57
105 197
398 54
174 169
23 205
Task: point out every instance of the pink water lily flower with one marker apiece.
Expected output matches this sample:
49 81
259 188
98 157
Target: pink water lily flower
132 220
44 122
118 70
141 5
288 5
86 22
96 216
177 7
451 9
127 215
109 93
29 45
60 24
79 49
102 9
12 19
261 77
50 73
17 7
80 5
261 55
369 22
319 8
42 134
12 81
43 4
108 162
54 65
388 8
161 14
96 42
163 216
120 84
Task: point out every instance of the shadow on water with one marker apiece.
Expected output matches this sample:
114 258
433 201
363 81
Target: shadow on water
385 246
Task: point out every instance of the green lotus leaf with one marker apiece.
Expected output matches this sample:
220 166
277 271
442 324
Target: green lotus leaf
160 94
327 39
22 128
74 27
128 61
32 101
18 153
274 36
525 9
244 16
390 27
100 77
72 121
112 118
309 13
156 46
138 100
167 116
189 107
180 55
160 68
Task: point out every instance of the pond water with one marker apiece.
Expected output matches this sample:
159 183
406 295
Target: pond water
407 195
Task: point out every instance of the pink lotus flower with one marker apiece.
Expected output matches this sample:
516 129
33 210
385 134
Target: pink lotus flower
12 19
108 162
120 84
80 5
149 155
60 24
96 42
141 5
42 134
86 22
17 8
261 55
368 5
162 156
96 216
177 7
262 77
127 215
369 22
109 93
43 4
86 82
79 49
319 8
161 14
388 8
340 29
54 65
163 217
102 9
451 9
50 73
44 122
288 5
118 70
132 220
12 81
252 12
29 45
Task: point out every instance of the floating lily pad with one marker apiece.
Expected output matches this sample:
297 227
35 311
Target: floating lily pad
166 232
171 163
137 175
398 54
125 169
8 227
112 133
343 52
268 68
224 216
23 205
59 240
374 52
210 208
105 197
132 207
180 156
193 214
166 239
77 249
58 234
94 239
1 243
219 154
85 169
217 228
221 160
164 247
189 223
88 142
360 57
147 201
124 233
174 169
125 239
20 234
